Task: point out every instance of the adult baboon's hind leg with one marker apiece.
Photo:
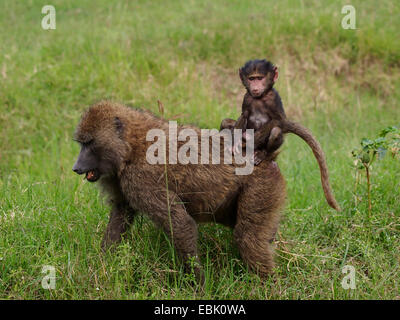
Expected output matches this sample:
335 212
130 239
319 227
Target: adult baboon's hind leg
254 243
258 214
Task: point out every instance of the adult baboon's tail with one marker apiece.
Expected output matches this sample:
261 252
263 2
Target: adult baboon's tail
306 135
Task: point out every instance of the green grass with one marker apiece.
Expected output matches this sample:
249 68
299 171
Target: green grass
342 84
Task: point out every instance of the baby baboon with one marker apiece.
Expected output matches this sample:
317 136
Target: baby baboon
176 196
262 111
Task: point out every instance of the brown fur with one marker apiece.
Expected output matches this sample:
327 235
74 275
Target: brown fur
176 197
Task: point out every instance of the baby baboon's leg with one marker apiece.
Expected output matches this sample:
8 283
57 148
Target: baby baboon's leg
121 217
227 124
259 155
230 124
275 139
264 134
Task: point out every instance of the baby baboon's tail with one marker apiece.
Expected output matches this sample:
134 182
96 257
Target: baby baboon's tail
306 135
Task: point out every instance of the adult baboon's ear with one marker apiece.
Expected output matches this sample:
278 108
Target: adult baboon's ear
119 126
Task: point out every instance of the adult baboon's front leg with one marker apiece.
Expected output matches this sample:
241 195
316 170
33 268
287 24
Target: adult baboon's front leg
169 212
166 209
121 217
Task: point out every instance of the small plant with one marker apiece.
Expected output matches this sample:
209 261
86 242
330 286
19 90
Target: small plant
387 141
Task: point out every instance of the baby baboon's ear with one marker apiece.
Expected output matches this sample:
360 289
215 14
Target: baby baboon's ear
119 126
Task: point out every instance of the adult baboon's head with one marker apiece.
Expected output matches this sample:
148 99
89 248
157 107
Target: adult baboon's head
100 134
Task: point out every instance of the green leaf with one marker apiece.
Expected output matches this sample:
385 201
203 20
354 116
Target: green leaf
365 158
381 153
366 142
385 131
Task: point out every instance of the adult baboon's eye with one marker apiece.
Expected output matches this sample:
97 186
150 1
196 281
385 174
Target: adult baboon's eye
87 143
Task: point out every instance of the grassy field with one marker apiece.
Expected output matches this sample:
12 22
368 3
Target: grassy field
342 84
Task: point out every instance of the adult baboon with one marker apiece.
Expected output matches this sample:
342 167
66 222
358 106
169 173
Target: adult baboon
176 196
